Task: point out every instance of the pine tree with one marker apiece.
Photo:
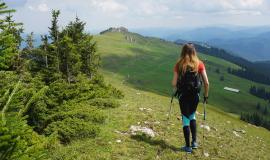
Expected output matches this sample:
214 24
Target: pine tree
9 40
89 58
265 111
4 10
14 28
75 30
28 53
258 107
8 50
54 29
54 36
45 48
30 41
70 60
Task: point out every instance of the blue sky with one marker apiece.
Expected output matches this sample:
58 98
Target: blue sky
101 14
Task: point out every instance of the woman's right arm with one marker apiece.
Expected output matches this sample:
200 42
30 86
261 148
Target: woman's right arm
205 82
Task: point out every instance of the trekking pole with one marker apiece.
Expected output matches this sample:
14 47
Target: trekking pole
170 109
204 111
204 119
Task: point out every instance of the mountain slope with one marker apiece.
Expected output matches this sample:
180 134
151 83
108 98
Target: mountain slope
128 65
116 142
146 63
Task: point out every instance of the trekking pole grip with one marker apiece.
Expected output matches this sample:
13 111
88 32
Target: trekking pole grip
204 111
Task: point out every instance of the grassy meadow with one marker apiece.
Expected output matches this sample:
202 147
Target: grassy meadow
147 64
142 70
116 143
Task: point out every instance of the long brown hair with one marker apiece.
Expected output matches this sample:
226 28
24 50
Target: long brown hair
188 58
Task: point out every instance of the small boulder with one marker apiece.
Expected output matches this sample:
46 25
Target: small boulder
118 141
236 134
205 127
206 154
148 131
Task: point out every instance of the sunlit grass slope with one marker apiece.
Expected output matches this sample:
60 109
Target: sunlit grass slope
147 64
142 69
116 143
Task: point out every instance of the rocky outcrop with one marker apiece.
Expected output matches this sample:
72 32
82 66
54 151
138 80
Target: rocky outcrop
113 29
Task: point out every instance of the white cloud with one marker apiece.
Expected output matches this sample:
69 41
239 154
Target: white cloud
31 8
240 12
250 3
152 8
43 7
178 17
220 5
110 6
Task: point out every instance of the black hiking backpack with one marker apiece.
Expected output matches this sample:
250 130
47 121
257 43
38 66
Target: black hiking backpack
188 84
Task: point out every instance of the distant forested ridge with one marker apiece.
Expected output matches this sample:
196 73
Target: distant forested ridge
51 94
260 92
256 119
251 74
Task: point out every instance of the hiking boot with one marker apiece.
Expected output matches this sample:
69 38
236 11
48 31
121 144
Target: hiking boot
186 149
194 145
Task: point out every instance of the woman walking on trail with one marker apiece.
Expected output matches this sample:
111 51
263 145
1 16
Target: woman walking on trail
188 72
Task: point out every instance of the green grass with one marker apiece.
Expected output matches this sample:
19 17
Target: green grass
143 71
147 64
220 143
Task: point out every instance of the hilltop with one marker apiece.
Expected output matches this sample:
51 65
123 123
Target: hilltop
115 29
147 64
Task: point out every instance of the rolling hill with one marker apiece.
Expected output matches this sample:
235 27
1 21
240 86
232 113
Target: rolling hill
146 63
141 67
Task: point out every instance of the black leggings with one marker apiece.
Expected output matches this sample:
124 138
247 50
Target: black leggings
193 129
188 106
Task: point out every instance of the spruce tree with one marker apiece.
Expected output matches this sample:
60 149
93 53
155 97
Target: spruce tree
30 41
45 47
70 60
54 36
4 9
14 28
75 30
54 29
258 107
89 57
265 111
9 40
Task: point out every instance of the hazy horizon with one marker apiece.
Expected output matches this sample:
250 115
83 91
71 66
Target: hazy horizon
170 14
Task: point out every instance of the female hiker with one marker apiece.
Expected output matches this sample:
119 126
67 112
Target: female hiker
188 72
